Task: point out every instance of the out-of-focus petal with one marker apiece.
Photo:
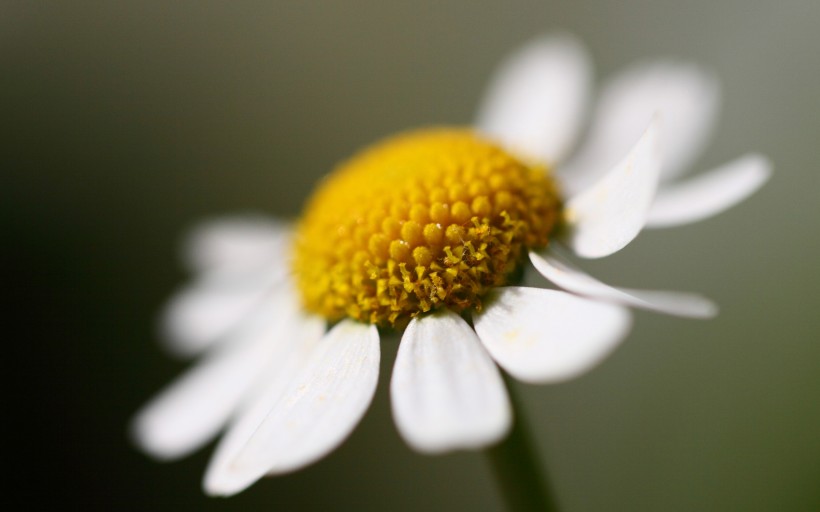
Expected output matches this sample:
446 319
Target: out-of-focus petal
572 279
266 393
605 217
710 193
536 102
687 99
316 410
446 392
239 244
546 335
194 408
204 313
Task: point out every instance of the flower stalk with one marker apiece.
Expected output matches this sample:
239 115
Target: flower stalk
515 465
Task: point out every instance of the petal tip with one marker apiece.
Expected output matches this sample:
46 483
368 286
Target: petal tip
222 486
709 193
150 438
621 326
762 164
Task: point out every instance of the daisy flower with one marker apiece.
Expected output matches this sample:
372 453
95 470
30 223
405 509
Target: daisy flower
427 233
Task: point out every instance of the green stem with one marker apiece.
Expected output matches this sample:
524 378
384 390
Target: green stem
515 465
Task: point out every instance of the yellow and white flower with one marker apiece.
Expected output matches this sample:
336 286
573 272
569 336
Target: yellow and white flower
424 232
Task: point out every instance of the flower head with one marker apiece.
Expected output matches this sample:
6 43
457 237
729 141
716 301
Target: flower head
427 220
427 232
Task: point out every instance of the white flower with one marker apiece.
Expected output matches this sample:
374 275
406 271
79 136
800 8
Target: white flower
289 391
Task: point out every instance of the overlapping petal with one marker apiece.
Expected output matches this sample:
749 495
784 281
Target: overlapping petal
219 479
686 97
604 218
316 409
572 279
194 408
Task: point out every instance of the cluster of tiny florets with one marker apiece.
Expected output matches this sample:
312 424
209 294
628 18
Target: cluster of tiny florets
420 221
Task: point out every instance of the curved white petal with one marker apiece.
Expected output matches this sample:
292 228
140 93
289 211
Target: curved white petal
219 477
237 244
195 407
545 336
445 391
710 193
535 104
316 410
205 312
605 217
560 272
687 98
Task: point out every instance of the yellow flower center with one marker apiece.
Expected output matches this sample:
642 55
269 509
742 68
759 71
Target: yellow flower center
420 221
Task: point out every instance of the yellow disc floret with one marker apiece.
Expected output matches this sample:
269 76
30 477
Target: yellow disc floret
423 220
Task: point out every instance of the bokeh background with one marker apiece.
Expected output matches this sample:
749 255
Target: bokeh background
124 123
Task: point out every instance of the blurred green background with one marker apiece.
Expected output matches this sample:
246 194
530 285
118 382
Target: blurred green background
126 122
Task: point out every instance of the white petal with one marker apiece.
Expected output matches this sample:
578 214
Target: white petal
219 478
535 104
560 272
687 98
446 392
544 336
205 312
237 245
710 193
315 412
194 408
608 215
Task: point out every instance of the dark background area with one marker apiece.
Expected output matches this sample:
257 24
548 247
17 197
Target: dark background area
125 123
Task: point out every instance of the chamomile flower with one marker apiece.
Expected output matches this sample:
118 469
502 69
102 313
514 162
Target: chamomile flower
427 233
